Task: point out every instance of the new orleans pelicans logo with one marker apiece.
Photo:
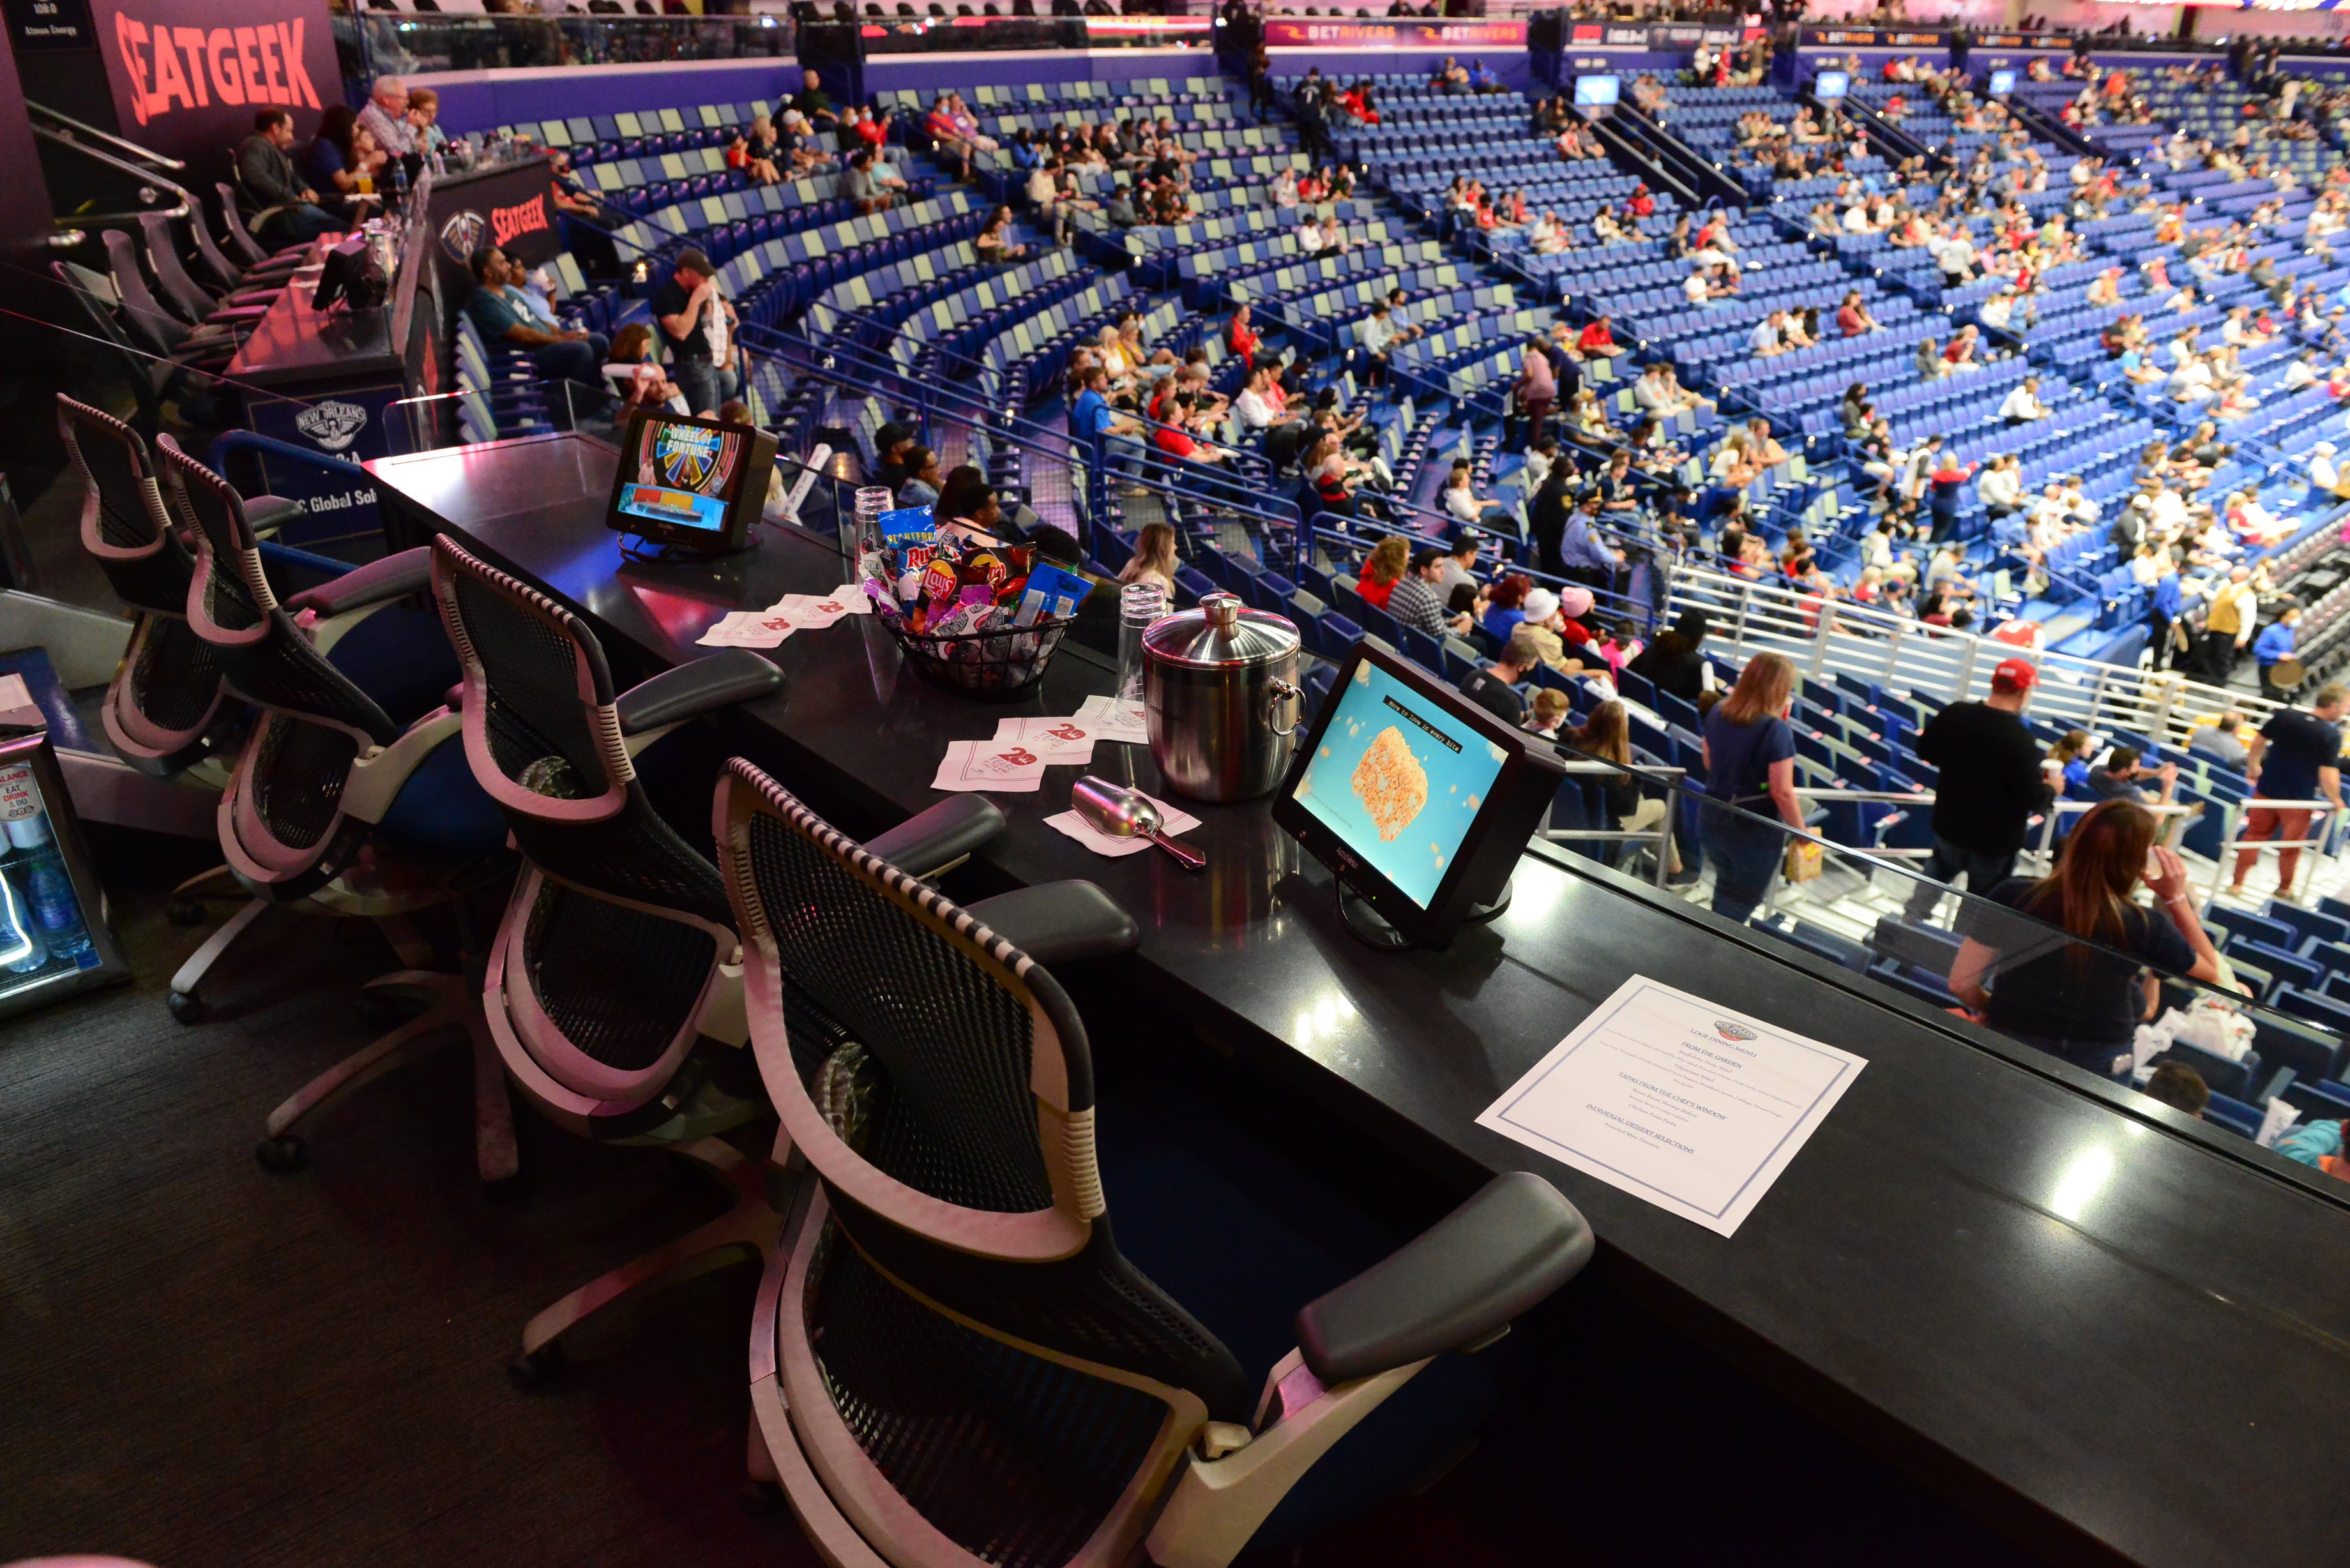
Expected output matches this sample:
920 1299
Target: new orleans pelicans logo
462 233
1733 1030
332 424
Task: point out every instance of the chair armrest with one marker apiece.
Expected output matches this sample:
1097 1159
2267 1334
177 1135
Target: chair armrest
1054 922
927 844
394 576
703 686
269 513
1450 1286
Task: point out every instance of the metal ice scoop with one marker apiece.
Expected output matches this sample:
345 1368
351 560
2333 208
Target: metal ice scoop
1121 812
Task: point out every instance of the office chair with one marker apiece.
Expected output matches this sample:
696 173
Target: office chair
154 380
230 277
241 240
206 348
345 799
613 987
951 1359
164 710
167 692
189 299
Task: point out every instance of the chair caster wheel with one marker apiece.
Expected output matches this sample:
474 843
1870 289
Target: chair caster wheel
759 1498
377 1011
538 1368
507 1189
184 912
283 1153
187 1009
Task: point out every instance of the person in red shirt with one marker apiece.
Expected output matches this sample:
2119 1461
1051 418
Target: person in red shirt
1852 317
1597 340
1241 340
1384 569
1640 203
869 131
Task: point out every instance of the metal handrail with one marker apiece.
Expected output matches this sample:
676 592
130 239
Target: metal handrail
187 202
1827 636
43 111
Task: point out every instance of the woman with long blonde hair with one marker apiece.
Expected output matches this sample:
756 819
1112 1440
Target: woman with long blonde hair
1750 779
1154 557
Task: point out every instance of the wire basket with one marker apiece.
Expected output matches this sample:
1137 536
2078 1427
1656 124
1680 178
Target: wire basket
996 665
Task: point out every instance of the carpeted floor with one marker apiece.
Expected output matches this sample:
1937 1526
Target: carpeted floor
206 1366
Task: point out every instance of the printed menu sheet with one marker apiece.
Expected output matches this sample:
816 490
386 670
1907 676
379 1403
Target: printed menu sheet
1692 1105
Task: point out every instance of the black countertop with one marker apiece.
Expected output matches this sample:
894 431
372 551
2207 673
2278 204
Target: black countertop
2098 1331
298 348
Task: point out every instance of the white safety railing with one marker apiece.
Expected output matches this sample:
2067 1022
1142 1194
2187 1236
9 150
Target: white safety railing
1827 638
2322 824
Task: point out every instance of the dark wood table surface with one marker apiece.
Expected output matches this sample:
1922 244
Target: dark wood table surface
2111 1332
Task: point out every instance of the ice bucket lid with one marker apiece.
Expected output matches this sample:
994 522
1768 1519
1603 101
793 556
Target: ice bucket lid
1221 634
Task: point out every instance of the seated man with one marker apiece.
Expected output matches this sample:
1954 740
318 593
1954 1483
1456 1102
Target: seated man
2117 780
499 312
284 210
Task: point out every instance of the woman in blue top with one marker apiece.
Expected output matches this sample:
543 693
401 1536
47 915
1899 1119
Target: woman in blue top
343 160
1750 763
1507 607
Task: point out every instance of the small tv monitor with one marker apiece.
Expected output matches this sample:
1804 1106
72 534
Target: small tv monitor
1597 92
689 484
2003 83
1831 84
1418 799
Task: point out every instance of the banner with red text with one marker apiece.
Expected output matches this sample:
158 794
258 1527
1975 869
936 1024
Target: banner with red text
1400 36
189 74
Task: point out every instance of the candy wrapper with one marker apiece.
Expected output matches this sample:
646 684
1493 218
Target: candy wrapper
1052 593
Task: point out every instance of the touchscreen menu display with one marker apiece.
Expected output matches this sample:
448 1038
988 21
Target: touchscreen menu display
1400 780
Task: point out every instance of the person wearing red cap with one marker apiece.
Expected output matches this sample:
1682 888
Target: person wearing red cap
1989 783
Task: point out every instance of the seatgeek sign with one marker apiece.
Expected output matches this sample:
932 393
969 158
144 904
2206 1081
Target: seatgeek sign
187 84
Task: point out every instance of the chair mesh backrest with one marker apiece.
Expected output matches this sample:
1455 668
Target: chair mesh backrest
95 296
227 273
916 1032
170 684
232 216
147 316
162 255
265 656
124 525
544 740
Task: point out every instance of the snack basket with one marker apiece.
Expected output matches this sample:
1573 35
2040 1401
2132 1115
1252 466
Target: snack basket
995 665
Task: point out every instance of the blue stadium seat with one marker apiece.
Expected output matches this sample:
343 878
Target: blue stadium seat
2238 1080
2309 925
2224 1110
2282 965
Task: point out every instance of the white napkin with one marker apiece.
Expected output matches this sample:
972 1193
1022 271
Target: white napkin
990 765
813 612
1060 740
1173 820
1111 720
748 629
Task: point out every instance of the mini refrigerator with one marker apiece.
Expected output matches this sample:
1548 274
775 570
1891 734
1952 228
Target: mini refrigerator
55 938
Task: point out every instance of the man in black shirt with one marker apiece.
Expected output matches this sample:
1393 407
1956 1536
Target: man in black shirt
815 103
276 203
698 325
1490 688
1988 784
2297 756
